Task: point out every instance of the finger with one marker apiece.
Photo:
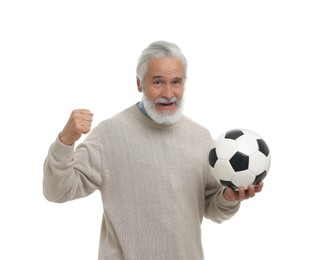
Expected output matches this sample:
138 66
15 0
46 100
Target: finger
250 191
87 116
259 187
230 194
86 123
84 129
83 114
83 111
242 195
88 119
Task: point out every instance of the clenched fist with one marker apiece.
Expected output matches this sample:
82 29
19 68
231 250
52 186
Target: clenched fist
79 122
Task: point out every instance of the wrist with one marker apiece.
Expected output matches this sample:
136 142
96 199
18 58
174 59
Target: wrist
63 140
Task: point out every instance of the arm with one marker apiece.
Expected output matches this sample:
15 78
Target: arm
223 204
217 207
68 173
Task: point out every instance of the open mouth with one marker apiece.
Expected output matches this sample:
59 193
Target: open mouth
170 106
167 104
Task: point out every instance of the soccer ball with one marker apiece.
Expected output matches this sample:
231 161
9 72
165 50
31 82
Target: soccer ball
239 158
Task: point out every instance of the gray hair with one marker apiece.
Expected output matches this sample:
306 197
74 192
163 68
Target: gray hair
157 50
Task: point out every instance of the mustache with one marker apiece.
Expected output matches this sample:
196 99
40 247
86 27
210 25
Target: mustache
166 101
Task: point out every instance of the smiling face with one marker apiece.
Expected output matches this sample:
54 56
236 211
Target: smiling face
164 86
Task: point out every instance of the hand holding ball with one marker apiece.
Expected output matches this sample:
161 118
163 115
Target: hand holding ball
239 158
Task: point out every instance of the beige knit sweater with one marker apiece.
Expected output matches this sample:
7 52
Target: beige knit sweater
154 181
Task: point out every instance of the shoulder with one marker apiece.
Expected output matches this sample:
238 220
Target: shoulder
195 126
117 122
120 117
197 131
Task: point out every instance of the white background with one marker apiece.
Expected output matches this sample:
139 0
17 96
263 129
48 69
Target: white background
249 67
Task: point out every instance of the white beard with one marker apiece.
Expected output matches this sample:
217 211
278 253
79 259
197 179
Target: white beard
165 117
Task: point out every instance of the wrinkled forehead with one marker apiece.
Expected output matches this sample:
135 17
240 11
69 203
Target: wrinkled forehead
166 67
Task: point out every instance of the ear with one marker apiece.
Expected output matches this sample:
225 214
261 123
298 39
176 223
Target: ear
139 87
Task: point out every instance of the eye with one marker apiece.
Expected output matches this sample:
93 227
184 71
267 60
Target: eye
158 82
177 82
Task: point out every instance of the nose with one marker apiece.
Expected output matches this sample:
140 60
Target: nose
167 92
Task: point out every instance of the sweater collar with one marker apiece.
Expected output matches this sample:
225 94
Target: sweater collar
141 107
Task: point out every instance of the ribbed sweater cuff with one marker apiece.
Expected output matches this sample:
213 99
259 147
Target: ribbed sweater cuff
62 152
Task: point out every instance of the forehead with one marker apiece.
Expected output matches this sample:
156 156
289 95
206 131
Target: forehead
166 66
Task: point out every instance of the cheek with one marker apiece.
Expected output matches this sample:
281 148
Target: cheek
152 95
179 93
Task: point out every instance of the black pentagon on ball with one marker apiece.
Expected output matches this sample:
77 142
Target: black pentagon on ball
228 184
239 161
260 177
212 157
263 147
234 134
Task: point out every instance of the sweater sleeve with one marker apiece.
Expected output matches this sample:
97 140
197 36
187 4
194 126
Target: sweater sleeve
217 208
70 173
